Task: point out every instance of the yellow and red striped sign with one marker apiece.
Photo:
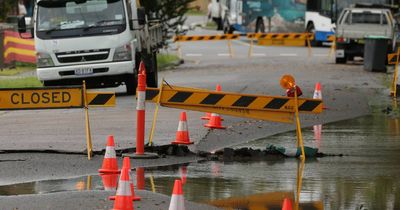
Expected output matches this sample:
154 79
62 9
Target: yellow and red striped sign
18 49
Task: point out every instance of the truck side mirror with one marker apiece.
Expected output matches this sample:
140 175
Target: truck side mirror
21 25
141 13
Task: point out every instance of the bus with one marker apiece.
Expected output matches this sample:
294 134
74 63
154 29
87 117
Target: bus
321 15
264 16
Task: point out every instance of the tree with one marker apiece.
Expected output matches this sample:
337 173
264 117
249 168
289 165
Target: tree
7 7
170 12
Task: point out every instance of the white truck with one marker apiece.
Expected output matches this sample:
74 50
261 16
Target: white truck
99 41
354 24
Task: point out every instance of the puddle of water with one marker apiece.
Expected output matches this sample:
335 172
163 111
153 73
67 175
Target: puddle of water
366 176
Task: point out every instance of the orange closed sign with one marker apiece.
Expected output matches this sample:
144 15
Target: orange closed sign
41 98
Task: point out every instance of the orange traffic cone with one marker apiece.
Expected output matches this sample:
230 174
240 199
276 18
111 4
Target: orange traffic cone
182 135
208 115
110 163
177 200
123 198
110 181
317 135
183 172
214 122
287 204
127 164
317 91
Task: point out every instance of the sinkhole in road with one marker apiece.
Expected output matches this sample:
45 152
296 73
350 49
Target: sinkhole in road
366 174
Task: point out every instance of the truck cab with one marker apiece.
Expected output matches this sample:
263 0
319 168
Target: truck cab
92 40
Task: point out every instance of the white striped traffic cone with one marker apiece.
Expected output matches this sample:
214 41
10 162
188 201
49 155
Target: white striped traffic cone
214 122
177 200
123 198
127 164
317 91
110 163
182 134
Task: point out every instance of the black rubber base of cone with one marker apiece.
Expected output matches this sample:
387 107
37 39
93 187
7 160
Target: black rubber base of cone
214 127
182 143
146 155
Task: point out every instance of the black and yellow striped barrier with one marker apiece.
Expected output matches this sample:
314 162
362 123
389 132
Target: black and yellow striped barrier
272 108
263 107
217 37
101 99
281 39
206 37
299 36
331 38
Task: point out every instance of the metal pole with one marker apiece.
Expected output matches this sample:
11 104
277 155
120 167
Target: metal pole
308 44
1 49
298 127
178 50
155 115
300 170
230 48
251 47
88 135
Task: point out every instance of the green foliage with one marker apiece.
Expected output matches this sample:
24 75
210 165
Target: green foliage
165 61
6 6
20 83
170 12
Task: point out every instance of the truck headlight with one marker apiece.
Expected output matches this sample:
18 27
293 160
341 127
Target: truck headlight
44 60
123 53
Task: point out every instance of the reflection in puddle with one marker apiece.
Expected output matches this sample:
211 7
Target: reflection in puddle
366 176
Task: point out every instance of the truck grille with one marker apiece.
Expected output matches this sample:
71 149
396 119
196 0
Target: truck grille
82 56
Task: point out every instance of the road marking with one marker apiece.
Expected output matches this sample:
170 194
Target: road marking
320 55
193 54
288 54
224 54
259 54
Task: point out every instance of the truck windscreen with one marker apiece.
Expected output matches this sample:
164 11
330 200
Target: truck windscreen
79 18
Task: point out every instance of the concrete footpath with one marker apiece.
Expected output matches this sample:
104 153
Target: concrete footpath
93 200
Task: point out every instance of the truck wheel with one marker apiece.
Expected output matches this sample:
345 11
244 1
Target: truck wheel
341 60
131 84
152 76
260 27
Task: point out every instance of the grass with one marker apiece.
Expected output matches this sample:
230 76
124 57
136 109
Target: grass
20 83
211 25
166 60
196 13
15 71
18 69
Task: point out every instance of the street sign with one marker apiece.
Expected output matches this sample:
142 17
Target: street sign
57 98
41 98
